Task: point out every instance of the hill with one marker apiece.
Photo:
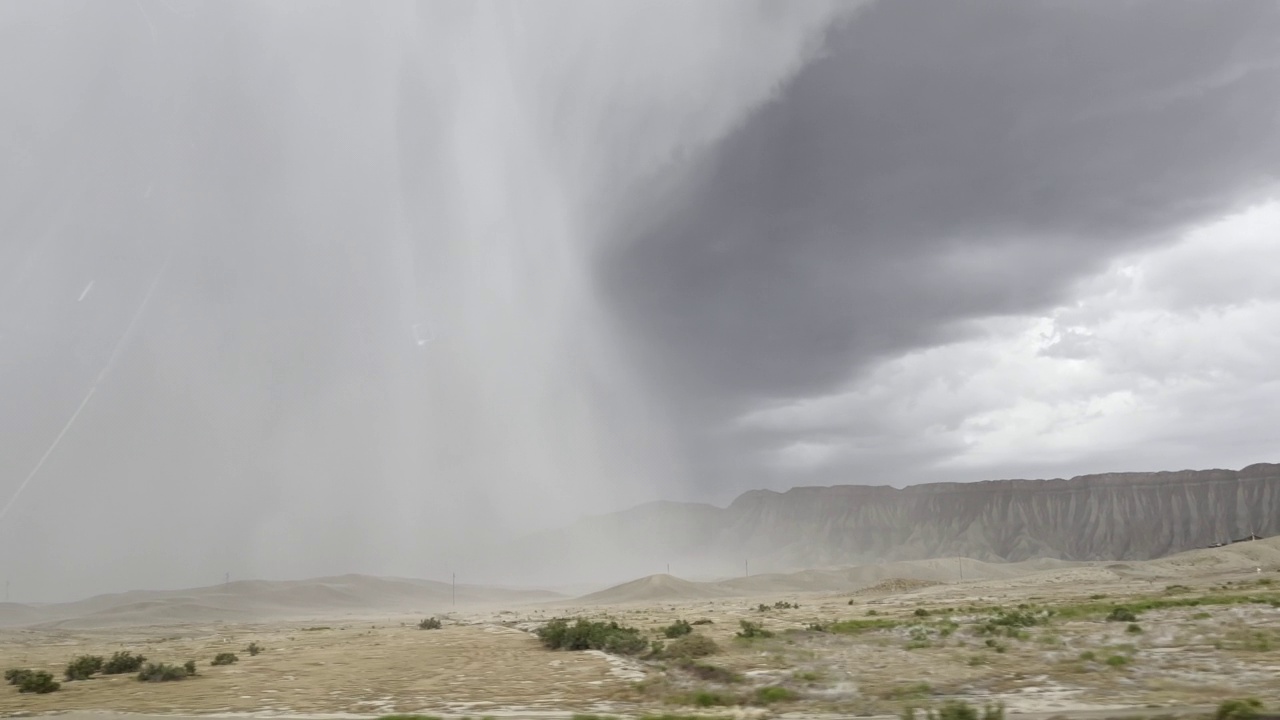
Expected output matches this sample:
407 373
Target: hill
260 600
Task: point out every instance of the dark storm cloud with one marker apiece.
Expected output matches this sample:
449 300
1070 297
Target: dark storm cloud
945 161
307 184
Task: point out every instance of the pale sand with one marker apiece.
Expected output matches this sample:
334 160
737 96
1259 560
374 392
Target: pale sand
485 663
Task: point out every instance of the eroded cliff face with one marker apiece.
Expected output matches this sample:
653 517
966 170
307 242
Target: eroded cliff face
1117 516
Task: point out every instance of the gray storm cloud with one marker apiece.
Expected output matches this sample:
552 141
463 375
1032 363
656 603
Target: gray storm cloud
373 337
407 279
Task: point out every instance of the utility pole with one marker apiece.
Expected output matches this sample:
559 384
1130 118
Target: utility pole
668 568
960 564
455 588
746 568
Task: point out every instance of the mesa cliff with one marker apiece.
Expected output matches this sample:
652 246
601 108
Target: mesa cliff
1114 516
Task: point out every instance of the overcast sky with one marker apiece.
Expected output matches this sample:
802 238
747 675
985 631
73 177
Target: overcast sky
289 289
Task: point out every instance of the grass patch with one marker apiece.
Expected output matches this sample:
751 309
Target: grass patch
957 710
855 627
811 677
703 698
1122 614
679 628
909 691
1246 709
1139 605
1117 661
775 694
691 646
711 673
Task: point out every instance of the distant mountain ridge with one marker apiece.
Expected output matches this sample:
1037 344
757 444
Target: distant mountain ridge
1112 516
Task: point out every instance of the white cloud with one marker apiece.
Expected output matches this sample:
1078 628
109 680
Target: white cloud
1169 358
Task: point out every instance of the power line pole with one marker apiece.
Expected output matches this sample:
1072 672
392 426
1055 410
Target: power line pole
455 589
746 568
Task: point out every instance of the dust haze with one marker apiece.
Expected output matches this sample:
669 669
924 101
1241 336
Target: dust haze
291 290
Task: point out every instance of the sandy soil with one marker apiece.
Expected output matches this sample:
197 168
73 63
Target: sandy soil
484 662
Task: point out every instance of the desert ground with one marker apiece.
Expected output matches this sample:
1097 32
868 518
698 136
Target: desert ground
863 641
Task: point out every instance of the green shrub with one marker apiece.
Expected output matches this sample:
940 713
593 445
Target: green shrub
38 682
677 629
253 649
583 634
1133 629
958 710
711 673
711 699
430 624
1201 616
921 612
773 694
224 659
691 646
123 662
1020 618
751 630
1122 614
1117 661
83 667
161 672
704 621
853 627
784 605
910 691
1088 655
16 676
1246 709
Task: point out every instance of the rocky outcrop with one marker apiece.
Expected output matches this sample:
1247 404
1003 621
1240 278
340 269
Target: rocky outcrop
1116 516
